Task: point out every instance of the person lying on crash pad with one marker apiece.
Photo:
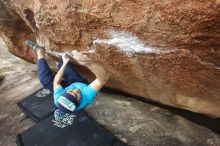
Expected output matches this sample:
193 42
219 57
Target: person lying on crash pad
71 91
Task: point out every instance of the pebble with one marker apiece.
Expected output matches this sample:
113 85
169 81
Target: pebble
124 140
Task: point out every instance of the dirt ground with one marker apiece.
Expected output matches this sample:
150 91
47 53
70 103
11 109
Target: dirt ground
134 122
19 75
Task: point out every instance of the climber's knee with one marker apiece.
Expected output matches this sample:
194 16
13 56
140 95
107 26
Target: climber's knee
47 82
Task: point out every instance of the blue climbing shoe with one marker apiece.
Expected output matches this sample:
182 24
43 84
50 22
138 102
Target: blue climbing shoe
32 45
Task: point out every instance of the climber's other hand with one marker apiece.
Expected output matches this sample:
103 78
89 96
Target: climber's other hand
65 58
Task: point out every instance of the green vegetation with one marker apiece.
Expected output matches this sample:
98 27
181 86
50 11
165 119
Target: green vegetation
2 76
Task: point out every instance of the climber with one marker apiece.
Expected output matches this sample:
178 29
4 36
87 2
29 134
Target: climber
71 91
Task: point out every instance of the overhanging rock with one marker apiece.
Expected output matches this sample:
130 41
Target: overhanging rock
166 51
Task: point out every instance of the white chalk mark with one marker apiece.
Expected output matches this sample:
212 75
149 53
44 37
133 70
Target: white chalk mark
208 64
129 43
92 50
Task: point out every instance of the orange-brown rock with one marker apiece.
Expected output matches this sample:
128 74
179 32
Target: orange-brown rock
166 51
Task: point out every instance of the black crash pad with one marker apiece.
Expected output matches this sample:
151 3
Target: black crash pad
82 131
38 105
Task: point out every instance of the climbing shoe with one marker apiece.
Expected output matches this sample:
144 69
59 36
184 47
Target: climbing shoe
32 45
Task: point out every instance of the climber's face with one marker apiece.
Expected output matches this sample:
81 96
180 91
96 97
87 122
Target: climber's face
75 93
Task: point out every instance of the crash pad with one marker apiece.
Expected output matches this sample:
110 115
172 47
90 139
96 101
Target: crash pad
77 129
38 105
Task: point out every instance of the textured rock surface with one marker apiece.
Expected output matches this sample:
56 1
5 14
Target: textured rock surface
143 124
166 51
134 122
14 88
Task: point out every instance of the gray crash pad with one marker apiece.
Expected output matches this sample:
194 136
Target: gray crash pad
78 129
38 105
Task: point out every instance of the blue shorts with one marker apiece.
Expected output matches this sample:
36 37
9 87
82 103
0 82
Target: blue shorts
46 76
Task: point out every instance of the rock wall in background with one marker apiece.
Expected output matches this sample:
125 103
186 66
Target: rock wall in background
166 51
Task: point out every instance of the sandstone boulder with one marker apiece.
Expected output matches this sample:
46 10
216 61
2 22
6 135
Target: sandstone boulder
166 51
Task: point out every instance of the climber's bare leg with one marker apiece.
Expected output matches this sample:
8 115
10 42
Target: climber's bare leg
40 53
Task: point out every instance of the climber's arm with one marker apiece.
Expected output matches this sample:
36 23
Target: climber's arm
59 76
101 75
